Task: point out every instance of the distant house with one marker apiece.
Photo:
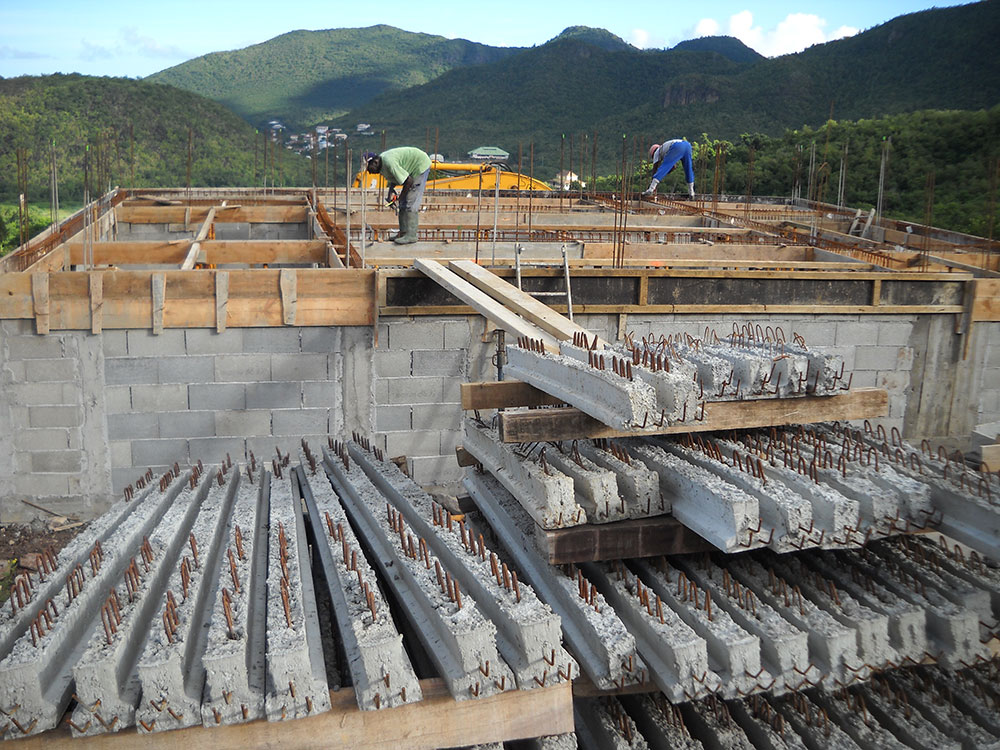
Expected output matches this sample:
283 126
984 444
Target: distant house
322 129
361 127
340 136
489 153
566 178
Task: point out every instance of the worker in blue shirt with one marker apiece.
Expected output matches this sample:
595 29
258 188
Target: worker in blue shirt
665 157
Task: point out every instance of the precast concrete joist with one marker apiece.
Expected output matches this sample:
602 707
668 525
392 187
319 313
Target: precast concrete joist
36 676
234 658
170 670
638 487
454 633
296 673
604 649
381 671
529 637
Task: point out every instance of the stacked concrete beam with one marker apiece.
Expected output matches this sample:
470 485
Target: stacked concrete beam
604 649
602 724
638 487
763 726
544 492
455 634
171 671
596 487
296 673
381 672
234 655
676 656
107 685
529 636
660 722
36 676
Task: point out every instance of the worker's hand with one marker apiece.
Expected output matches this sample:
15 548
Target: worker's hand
652 187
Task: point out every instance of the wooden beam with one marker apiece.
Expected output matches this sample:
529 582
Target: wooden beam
40 301
436 721
286 282
159 291
504 395
986 305
571 424
192 255
520 302
484 304
221 300
217 252
96 301
287 214
639 537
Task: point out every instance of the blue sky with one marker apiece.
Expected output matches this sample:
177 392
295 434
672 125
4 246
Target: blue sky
129 38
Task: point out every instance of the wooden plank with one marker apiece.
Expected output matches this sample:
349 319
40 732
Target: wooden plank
159 293
640 537
221 299
504 395
484 304
436 721
96 301
15 296
135 214
520 302
215 252
572 424
991 455
40 301
286 283
195 249
986 305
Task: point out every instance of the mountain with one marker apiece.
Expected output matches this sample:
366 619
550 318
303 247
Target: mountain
304 77
937 59
728 46
598 37
110 121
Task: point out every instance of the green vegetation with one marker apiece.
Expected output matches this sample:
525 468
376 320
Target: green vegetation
305 77
727 46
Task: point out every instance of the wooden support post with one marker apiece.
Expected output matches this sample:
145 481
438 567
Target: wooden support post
287 285
193 252
159 289
96 279
876 292
221 300
40 301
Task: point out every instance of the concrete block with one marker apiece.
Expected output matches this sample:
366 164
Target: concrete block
414 390
37 394
120 452
122 477
447 363
298 422
42 485
207 341
186 369
392 418
55 416
413 443
50 370
324 393
863 379
216 396
133 425
159 452
13 372
875 358
270 340
457 334
437 416
894 334
274 395
381 390
144 343
243 423
59 462
449 440
131 371
114 343
856 334
411 334
35 347
322 340
160 397
187 424
393 364
213 450
55 438
299 366
118 399
894 382
451 390
904 358
433 470
242 368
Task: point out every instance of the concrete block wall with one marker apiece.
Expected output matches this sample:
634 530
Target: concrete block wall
989 373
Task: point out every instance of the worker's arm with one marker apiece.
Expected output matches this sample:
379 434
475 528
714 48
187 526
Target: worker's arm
407 184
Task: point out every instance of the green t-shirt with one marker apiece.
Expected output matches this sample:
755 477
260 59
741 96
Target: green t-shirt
405 161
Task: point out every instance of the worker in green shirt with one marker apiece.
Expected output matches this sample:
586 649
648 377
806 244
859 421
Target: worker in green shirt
407 166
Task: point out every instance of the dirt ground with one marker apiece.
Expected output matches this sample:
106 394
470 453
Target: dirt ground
20 542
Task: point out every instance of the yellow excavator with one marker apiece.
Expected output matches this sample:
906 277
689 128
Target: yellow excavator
468 179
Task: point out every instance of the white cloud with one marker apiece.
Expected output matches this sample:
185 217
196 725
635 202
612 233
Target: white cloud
12 53
639 38
792 34
147 46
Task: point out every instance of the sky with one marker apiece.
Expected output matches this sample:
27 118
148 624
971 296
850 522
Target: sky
135 39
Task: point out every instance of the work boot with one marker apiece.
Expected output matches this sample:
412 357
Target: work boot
400 217
408 222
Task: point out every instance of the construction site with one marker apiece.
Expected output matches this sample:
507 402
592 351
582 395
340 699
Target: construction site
569 471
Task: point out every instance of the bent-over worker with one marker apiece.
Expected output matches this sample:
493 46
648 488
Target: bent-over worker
665 157
407 166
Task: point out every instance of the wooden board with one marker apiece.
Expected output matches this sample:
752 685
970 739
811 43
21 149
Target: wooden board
216 252
567 423
640 537
986 305
504 394
196 214
436 721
